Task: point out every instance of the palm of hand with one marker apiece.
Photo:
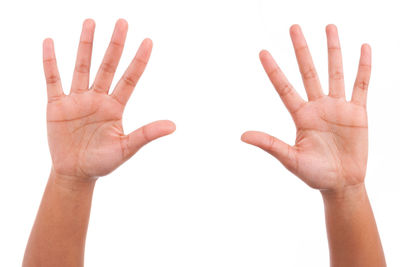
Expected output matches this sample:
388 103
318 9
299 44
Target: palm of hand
331 145
85 134
85 131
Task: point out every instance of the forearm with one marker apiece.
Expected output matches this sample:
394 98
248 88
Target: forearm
59 232
352 232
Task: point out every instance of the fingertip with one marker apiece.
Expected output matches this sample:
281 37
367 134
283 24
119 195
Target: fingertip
248 136
87 33
147 42
89 23
169 126
120 32
243 137
145 49
331 27
294 29
161 128
263 53
47 42
365 48
365 57
122 23
48 48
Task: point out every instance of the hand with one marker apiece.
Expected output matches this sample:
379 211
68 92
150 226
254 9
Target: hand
331 148
85 132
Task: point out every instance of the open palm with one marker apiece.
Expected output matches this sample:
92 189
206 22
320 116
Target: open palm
85 131
331 145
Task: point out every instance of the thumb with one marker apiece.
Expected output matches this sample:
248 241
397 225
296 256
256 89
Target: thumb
145 134
285 153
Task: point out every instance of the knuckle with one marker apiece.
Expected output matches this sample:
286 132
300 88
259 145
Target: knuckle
300 49
125 145
285 90
130 80
116 44
79 90
309 73
145 134
107 67
334 48
82 68
274 72
363 85
271 143
298 108
98 88
336 75
365 67
86 43
140 61
55 98
52 79
49 61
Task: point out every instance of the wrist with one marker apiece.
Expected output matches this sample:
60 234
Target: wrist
344 194
73 183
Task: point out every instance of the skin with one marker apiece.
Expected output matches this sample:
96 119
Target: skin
331 147
86 141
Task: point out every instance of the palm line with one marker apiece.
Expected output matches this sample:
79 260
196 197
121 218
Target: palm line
342 124
94 122
74 119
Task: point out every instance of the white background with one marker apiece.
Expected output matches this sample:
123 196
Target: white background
200 197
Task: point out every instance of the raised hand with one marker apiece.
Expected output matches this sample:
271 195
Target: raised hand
86 141
85 131
331 148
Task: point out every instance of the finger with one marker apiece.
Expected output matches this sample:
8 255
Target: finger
80 80
306 65
111 59
144 135
54 88
280 150
336 80
127 84
289 96
364 72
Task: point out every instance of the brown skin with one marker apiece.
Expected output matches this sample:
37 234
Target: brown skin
86 141
59 233
331 148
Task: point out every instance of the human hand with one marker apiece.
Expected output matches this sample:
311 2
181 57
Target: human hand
331 147
84 128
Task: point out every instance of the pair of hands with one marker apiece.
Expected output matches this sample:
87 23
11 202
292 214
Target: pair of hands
87 140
